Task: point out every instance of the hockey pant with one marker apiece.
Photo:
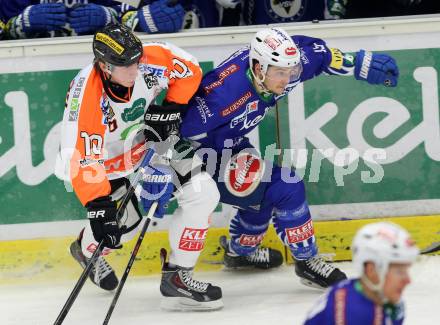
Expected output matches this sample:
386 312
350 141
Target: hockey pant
264 192
197 197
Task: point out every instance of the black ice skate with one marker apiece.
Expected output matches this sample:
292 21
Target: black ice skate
317 273
262 258
101 274
181 292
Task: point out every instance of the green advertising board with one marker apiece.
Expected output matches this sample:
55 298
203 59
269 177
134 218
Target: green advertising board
328 111
342 113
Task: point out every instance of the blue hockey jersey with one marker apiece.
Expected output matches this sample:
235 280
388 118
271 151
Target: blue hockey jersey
346 304
227 106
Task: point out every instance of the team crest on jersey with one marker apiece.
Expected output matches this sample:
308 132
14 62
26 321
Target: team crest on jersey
286 10
243 174
108 113
150 80
134 112
247 123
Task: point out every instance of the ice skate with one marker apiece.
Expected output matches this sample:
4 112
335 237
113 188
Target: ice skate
262 258
182 293
317 273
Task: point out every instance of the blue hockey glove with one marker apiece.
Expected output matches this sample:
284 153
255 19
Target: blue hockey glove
43 17
161 17
157 186
376 68
90 17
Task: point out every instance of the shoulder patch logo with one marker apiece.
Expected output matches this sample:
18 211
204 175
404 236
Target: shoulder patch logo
134 112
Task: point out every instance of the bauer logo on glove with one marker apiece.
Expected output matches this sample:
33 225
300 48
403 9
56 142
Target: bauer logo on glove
376 68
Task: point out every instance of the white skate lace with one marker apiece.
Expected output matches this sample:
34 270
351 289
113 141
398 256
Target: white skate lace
101 269
318 265
261 255
195 285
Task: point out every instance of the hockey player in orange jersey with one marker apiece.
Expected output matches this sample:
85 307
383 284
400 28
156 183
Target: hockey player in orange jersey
108 107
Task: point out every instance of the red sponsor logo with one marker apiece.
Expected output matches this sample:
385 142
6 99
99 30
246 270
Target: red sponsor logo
125 161
222 75
290 51
272 42
193 239
301 233
92 248
245 176
251 240
235 105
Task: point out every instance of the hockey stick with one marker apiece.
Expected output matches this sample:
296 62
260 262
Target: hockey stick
434 247
130 263
80 283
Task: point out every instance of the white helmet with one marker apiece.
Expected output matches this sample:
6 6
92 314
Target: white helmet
273 46
382 243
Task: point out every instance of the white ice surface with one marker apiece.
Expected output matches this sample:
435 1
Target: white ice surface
257 297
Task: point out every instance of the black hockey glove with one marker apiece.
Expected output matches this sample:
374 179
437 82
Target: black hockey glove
162 121
103 220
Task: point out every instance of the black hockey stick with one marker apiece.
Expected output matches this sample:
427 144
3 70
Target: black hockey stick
130 263
80 283
434 247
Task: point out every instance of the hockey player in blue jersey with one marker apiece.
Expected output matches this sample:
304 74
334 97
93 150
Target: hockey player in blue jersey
230 102
382 255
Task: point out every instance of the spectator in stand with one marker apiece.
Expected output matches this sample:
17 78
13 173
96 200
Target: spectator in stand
48 18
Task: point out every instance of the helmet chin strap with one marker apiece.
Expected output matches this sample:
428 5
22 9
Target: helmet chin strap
378 287
260 83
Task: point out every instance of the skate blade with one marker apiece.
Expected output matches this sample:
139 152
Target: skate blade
311 284
187 304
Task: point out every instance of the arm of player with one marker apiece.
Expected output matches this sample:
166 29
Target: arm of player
374 68
83 136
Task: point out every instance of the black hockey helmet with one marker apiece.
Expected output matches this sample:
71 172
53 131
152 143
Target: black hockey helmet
116 44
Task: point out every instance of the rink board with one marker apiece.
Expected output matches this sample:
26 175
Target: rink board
43 260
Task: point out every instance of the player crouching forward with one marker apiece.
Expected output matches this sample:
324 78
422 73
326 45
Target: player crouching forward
230 102
382 255
107 106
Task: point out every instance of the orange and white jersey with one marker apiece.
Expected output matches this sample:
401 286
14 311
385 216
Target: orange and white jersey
102 139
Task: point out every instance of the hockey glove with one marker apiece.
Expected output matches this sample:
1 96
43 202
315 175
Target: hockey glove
90 17
43 17
162 122
162 16
104 222
376 68
157 186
